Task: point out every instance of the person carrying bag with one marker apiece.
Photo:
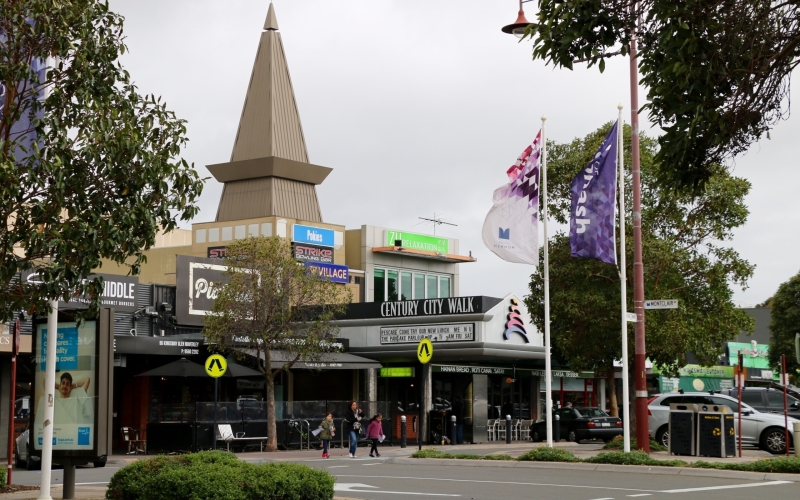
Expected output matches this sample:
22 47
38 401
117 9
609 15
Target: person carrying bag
353 415
327 431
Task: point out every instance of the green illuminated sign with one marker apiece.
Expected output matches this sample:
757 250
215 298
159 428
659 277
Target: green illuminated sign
418 241
402 371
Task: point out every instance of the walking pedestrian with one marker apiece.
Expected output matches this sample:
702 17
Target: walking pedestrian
375 433
458 412
353 417
327 433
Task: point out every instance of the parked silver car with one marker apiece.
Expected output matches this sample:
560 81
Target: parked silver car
764 430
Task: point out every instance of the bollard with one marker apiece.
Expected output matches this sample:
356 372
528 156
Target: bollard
557 429
796 437
403 442
508 429
453 430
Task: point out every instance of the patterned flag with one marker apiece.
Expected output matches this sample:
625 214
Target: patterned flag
594 192
511 227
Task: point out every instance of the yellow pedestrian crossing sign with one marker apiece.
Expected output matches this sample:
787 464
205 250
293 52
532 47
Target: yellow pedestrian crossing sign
424 351
216 365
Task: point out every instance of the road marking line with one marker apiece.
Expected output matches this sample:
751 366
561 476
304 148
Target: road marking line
500 482
87 484
373 489
727 487
376 463
641 495
602 499
338 466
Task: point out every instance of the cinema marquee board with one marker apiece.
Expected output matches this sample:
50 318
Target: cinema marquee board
82 419
453 332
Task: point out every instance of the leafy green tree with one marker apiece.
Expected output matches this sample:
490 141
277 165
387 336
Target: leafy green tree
785 324
684 257
89 168
273 305
717 71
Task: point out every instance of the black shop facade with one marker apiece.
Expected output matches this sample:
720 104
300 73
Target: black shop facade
485 352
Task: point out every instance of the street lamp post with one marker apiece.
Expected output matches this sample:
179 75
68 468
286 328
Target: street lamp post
642 435
517 28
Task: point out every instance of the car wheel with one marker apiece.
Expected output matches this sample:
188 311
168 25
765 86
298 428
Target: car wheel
535 437
101 462
662 436
33 464
773 440
572 436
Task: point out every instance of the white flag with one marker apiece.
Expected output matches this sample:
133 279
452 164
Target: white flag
511 227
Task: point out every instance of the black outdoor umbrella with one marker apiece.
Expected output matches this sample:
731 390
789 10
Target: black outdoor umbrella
185 368
181 368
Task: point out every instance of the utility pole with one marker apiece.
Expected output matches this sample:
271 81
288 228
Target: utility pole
642 435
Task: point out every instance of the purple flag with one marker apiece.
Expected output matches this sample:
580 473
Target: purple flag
594 193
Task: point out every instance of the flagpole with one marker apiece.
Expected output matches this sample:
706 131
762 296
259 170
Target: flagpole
548 374
623 287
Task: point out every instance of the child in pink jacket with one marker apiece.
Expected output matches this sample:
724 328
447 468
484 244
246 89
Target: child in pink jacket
375 432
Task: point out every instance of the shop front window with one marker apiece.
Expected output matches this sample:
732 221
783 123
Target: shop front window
419 286
395 284
380 284
391 285
405 286
444 286
433 287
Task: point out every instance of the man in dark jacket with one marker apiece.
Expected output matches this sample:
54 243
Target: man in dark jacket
458 411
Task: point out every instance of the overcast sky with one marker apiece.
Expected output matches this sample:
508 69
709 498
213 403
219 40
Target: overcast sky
419 106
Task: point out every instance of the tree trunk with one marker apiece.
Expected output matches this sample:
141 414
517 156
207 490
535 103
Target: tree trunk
272 427
611 389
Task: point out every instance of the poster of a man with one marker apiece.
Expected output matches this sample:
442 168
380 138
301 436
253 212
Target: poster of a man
74 396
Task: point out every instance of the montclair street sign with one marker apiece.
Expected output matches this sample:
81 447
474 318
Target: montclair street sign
661 304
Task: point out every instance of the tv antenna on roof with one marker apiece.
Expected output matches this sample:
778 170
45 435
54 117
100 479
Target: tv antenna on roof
437 221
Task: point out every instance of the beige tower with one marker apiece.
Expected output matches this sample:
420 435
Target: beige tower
269 173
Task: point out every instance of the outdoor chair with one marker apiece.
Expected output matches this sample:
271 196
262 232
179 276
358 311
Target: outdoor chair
135 445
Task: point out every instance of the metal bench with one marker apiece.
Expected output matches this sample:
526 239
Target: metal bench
225 433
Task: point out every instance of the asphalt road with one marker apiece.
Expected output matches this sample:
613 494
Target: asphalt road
368 478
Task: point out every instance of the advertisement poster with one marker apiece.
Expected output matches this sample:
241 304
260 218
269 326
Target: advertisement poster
75 388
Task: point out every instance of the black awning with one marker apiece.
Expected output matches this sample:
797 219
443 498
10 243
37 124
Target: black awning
330 361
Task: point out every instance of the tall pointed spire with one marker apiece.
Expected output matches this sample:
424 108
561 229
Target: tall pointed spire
270 123
269 174
272 22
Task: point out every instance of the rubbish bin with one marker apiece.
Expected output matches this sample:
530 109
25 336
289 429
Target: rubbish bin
716 436
682 429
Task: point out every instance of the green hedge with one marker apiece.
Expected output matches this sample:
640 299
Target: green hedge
545 454
3 477
217 475
790 465
635 457
618 443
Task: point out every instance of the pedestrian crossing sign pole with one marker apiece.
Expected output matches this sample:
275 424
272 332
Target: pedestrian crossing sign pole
216 366
424 355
